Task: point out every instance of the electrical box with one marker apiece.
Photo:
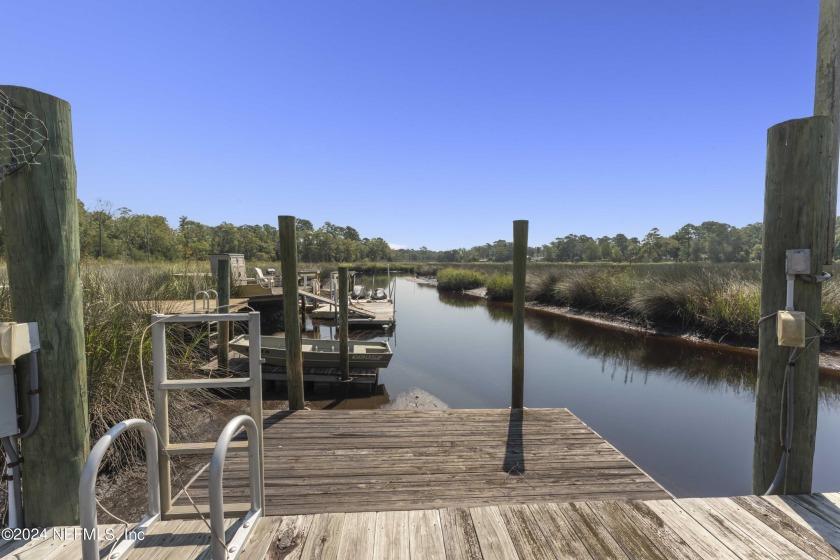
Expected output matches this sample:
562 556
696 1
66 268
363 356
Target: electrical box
17 339
8 404
790 328
798 261
238 276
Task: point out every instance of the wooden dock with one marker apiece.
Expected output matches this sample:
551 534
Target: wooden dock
183 306
238 363
322 461
476 484
748 527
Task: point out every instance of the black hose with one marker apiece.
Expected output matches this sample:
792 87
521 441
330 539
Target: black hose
778 480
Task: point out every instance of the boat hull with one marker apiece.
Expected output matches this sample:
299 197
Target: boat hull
319 353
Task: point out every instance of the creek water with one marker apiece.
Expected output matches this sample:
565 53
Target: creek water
682 412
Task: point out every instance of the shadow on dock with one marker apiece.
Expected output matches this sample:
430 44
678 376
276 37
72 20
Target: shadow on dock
514 446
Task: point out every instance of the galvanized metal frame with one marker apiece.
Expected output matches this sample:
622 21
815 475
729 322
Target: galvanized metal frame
162 385
87 491
219 549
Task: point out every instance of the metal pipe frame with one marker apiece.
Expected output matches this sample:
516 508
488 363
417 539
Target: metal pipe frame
219 549
161 396
87 490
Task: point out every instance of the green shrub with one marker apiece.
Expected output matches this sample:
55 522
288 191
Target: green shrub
454 279
500 287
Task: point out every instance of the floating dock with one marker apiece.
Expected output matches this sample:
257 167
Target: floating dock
238 363
500 484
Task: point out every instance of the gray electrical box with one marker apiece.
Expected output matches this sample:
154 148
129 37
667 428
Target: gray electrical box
798 261
238 276
8 404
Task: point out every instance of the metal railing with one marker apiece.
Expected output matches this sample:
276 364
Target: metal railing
163 385
87 491
219 549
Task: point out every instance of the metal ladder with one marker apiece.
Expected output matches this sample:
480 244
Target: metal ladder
162 386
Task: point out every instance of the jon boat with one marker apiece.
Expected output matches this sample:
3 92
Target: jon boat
320 353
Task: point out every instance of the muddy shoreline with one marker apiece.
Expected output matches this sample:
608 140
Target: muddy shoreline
829 353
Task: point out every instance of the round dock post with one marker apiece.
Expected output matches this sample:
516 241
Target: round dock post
343 299
795 215
800 207
520 254
42 239
223 285
294 355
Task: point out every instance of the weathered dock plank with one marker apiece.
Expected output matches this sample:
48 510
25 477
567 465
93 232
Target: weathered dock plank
377 460
740 528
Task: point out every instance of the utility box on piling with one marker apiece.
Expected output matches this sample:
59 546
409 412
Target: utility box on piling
238 274
16 339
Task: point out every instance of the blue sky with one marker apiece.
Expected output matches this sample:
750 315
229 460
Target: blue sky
425 122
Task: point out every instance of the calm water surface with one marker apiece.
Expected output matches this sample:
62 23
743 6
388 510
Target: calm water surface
683 413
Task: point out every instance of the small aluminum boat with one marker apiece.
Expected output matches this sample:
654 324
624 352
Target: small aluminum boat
320 353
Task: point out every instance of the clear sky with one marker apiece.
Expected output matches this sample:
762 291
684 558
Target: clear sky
426 122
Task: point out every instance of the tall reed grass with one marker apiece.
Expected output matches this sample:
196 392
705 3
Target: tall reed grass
721 301
455 279
117 302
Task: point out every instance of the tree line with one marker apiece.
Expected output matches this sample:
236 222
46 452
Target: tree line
110 233
708 242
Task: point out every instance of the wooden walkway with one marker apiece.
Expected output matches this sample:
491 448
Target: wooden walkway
324 461
750 527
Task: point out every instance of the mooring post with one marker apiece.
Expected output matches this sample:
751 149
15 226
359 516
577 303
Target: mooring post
294 355
799 213
520 253
42 242
795 215
343 343
41 224
827 100
223 289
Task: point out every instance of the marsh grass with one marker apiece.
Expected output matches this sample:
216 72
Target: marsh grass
115 322
721 301
500 287
459 279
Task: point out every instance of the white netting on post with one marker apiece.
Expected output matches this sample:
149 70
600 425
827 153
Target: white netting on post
22 138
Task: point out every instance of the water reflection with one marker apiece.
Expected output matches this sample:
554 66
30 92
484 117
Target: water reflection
683 412
626 354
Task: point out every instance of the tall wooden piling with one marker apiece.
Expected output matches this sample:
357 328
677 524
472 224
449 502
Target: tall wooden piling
800 208
827 99
795 216
520 257
343 341
223 303
42 242
294 354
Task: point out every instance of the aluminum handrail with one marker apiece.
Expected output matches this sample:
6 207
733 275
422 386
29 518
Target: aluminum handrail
206 301
87 491
219 549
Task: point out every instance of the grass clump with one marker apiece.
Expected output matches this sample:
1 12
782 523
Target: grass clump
500 287
454 279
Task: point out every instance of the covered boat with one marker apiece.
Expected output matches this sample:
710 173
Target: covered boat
359 292
378 294
320 353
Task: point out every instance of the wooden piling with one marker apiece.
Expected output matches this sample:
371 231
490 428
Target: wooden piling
223 303
294 354
799 212
827 99
343 343
520 253
795 214
42 241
